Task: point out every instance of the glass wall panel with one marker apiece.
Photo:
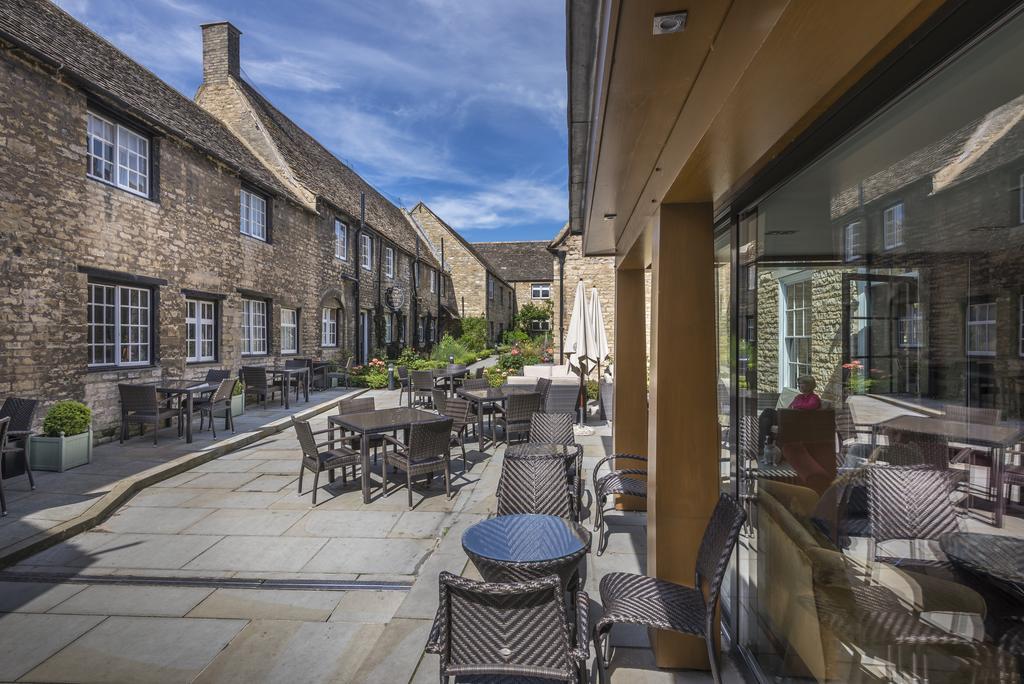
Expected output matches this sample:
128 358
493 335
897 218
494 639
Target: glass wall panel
879 392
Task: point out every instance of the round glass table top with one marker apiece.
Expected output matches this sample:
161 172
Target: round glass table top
525 538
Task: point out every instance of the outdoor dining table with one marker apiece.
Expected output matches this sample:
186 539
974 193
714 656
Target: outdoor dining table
523 547
490 395
996 437
286 375
378 422
186 391
449 373
994 556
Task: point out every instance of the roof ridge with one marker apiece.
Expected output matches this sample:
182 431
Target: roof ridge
465 243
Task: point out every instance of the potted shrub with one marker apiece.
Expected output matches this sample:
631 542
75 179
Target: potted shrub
238 399
66 441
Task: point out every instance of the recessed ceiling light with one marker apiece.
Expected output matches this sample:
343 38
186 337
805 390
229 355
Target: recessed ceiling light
669 22
610 217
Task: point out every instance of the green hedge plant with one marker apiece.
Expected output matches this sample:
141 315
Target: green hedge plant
68 418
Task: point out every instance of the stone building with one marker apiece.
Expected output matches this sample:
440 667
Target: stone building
528 267
142 239
479 289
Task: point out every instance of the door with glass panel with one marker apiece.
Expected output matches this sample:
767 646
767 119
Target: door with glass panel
882 334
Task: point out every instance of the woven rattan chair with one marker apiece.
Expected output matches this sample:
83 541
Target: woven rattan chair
403 383
479 374
515 417
21 413
624 481
217 374
141 404
438 397
535 484
4 422
556 428
659 604
458 410
220 400
475 384
361 405
428 451
260 385
543 387
422 387
514 633
317 460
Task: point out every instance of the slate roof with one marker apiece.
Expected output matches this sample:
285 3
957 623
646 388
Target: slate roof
470 247
51 35
519 261
327 176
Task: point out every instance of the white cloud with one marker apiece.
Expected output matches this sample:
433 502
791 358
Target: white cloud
506 204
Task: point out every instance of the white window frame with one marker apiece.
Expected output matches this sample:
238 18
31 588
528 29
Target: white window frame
537 325
366 252
121 331
433 281
790 368
389 328
340 240
908 328
252 214
289 331
990 325
328 327
254 327
892 226
200 330
543 288
127 164
853 240
389 262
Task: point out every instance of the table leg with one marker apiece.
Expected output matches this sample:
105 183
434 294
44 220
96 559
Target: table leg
306 387
480 425
364 452
286 390
188 417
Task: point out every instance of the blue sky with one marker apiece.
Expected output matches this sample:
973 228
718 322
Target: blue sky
459 103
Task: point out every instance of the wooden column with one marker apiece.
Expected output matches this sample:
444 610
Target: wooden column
683 421
629 428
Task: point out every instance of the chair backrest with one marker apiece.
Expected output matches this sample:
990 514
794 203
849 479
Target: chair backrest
439 398
517 628
254 377
423 380
534 484
403 375
971 414
475 383
348 364
932 450
910 503
217 374
4 425
458 410
845 427
898 455
295 363
552 428
479 373
430 440
521 407
141 398
20 411
750 450
543 385
357 405
716 547
224 391
306 439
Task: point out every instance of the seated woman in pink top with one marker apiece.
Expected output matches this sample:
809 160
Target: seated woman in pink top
807 400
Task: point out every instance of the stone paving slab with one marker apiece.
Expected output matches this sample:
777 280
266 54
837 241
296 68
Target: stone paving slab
281 554
140 600
29 639
269 604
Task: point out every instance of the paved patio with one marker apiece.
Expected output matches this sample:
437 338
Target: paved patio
224 573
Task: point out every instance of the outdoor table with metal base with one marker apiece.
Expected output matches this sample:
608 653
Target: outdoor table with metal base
449 373
378 422
186 389
518 548
286 375
492 395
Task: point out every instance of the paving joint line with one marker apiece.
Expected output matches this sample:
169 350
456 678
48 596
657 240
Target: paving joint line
218 582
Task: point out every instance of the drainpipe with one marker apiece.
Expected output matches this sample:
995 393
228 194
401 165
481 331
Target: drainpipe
379 304
561 307
414 309
440 274
359 271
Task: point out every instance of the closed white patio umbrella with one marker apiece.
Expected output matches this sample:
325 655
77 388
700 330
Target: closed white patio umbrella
599 348
580 343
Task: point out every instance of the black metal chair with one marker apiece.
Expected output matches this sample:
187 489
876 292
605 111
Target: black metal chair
21 413
620 481
556 428
535 484
141 404
318 461
459 411
428 451
516 633
219 400
515 417
258 383
659 604
422 387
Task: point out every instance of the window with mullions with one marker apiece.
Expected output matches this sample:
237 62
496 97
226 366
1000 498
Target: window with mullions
254 327
797 331
366 252
120 325
892 228
852 241
200 330
340 240
253 215
389 262
981 329
118 155
540 290
329 328
289 331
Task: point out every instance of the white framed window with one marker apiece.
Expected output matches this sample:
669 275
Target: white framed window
981 329
892 226
340 240
853 241
366 252
433 281
120 324
254 327
389 328
118 155
200 330
540 326
253 213
908 328
490 287
389 262
540 291
796 331
289 331
329 328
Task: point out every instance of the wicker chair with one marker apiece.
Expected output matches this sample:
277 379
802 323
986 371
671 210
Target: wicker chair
257 383
556 428
422 386
479 374
458 410
4 422
515 632
515 417
439 398
655 603
475 383
620 481
535 484
318 461
428 450
217 374
403 383
140 404
219 400
360 405
543 387
21 413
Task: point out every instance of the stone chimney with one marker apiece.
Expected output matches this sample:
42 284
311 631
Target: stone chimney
220 51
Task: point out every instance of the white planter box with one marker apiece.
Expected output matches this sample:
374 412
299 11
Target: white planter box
238 404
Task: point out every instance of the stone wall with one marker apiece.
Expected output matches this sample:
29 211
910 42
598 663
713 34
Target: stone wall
596 272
